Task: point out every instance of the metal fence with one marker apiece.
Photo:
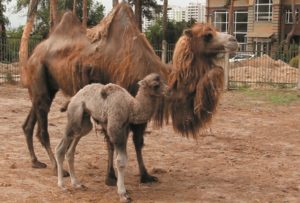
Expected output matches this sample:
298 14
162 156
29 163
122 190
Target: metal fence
245 69
256 69
9 58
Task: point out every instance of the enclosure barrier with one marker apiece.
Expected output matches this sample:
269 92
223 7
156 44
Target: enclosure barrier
246 69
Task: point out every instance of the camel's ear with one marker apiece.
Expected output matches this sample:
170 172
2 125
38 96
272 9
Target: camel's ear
140 83
188 32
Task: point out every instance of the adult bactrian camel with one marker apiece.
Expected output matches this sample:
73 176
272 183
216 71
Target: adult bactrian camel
116 51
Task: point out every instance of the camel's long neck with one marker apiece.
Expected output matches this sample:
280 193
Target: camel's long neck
142 108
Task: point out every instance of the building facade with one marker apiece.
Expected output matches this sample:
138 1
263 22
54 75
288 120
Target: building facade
259 25
176 13
195 11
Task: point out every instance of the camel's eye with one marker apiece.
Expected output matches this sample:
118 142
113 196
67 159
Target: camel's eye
208 37
156 86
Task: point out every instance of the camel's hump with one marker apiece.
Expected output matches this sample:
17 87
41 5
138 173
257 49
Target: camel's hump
69 25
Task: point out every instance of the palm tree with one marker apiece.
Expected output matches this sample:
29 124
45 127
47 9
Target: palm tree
115 2
138 13
230 5
164 31
23 52
84 13
53 13
295 22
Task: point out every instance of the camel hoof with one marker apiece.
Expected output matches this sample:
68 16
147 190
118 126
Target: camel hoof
38 164
148 179
63 188
80 187
111 181
66 173
125 198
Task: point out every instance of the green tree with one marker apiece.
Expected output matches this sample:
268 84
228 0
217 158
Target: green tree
174 31
145 8
95 12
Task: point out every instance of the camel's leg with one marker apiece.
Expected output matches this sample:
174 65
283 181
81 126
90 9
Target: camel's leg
118 137
138 140
28 128
86 127
61 150
70 158
121 161
111 179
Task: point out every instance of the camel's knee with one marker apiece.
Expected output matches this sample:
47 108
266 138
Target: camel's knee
121 160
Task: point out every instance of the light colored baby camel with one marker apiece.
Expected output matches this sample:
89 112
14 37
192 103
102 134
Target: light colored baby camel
114 108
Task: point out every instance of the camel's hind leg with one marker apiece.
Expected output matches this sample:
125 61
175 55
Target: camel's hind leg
61 150
42 96
28 128
86 127
118 137
138 140
79 124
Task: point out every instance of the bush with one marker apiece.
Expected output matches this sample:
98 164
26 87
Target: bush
294 61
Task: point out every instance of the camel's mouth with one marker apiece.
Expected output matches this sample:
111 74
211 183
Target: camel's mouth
231 47
228 42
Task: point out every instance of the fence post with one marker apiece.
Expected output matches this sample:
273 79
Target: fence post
226 71
298 85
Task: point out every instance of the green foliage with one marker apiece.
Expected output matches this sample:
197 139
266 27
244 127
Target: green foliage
147 8
294 62
95 13
286 54
174 31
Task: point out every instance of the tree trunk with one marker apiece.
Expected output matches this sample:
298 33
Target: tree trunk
74 7
23 51
138 13
115 2
292 32
230 16
164 34
53 14
84 13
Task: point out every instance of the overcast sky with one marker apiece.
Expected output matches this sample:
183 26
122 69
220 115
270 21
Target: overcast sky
17 19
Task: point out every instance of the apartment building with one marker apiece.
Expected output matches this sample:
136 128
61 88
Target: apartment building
195 11
176 13
259 25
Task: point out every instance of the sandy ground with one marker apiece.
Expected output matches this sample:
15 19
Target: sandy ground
251 154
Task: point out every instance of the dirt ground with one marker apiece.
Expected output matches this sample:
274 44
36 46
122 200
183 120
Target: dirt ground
250 154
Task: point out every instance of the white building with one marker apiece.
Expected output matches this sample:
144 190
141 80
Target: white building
195 11
148 23
176 13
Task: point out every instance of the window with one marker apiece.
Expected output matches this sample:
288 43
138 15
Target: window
221 20
240 27
263 10
240 24
288 16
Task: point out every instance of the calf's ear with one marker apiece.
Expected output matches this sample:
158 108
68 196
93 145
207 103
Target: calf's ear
188 32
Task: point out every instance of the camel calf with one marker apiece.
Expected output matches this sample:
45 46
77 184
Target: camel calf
114 108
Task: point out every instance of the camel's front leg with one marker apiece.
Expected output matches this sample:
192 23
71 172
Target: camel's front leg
138 139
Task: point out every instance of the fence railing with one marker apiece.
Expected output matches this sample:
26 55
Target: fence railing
245 69
9 57
250 69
